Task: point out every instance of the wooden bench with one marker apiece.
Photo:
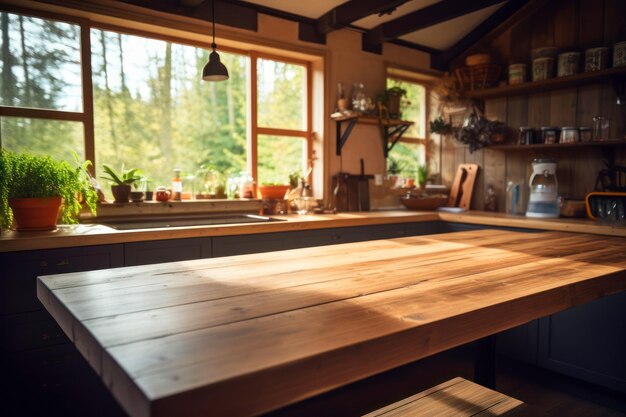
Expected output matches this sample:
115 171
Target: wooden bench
458 397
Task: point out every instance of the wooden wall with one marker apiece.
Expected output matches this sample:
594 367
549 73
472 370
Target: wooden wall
567 24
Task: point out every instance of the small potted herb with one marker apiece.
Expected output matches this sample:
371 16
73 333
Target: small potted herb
121 182
440 126
37 190
391 99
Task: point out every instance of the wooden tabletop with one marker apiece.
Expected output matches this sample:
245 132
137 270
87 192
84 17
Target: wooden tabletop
248 334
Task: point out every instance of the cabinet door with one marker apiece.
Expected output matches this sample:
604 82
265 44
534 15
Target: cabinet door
587 342
244 244
171 250
21 269
390 231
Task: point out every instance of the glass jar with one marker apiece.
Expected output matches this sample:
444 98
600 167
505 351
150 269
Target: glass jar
569 134
549 134
526 135
600 129
585 134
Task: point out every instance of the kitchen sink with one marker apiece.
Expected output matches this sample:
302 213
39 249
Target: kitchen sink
157 222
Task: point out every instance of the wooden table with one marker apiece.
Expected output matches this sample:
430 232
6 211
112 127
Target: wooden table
248 334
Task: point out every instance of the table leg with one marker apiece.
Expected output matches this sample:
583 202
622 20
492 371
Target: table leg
485 362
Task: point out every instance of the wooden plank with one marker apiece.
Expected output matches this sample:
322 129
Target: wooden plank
458 397
348 12
265 340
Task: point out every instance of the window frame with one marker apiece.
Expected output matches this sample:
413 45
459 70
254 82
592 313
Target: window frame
87 115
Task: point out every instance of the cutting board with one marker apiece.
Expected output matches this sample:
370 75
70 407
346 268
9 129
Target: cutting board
463 186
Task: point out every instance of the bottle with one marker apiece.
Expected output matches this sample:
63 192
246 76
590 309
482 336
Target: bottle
177 186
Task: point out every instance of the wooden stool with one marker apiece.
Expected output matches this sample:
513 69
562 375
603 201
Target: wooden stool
458 397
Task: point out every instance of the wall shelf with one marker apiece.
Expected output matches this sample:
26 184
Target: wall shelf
609 143
550 84
391 130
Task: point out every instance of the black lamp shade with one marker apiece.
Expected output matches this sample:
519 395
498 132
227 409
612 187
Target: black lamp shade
214 70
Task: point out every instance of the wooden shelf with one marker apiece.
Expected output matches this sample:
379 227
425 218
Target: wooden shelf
616 143
391 130
547 85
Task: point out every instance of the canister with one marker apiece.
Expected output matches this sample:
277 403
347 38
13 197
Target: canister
568 63
619 54
596 58
517 73
585 134
569 134
549 134
526 135
543 68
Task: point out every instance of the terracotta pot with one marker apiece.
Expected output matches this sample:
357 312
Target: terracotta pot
136 196
393 106
121 193
33 214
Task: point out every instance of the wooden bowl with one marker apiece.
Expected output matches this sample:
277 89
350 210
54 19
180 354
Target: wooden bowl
424 203
273 191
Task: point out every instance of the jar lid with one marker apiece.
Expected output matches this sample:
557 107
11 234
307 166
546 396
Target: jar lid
549 128
543 161
585 128
569 128
525 128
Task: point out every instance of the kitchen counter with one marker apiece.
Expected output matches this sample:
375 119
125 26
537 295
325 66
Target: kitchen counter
95 234
245 335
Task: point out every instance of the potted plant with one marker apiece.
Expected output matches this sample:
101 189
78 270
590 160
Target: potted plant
440 126
35 191
394 167
422 175
391 99
121 182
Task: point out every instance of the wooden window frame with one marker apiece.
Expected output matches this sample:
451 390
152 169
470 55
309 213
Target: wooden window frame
427 92
87 114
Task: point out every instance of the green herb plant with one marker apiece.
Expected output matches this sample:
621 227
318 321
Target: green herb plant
125 177
394 166
24 175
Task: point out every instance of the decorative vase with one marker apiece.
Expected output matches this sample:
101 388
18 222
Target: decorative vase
35 214
121 193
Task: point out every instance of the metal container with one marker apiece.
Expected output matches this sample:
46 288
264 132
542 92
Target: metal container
585 134
543 69
619 54
596 58
543 198
517 74
526 135
568 64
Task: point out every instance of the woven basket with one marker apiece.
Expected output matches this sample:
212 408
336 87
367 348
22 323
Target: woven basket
477 77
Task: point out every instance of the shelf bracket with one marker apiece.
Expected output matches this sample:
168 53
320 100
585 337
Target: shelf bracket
342 138
391 135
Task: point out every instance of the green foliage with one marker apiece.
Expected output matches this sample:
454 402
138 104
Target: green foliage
395 166
24 175
422 174
440 126
124 177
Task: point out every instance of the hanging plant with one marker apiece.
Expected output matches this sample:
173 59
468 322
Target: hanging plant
478 132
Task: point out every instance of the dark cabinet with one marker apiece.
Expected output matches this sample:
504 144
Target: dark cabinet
520 343
587 342
171 250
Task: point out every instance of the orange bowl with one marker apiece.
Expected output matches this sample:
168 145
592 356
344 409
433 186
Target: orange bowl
273 191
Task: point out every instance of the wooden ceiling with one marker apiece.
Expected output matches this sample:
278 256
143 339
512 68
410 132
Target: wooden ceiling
443 28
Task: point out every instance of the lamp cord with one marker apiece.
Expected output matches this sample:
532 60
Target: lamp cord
213 45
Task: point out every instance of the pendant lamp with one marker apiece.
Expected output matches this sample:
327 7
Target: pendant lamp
214 70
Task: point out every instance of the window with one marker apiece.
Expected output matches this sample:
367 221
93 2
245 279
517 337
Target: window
152 111
41 95
282 133
410 152
137 100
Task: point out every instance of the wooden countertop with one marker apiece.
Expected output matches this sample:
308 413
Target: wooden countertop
248 334
94 234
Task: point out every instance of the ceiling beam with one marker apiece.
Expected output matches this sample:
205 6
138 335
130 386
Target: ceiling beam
428 16
226 12
351 11
504 18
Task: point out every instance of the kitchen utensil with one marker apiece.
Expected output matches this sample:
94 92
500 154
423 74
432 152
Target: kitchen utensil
543 199
463 185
